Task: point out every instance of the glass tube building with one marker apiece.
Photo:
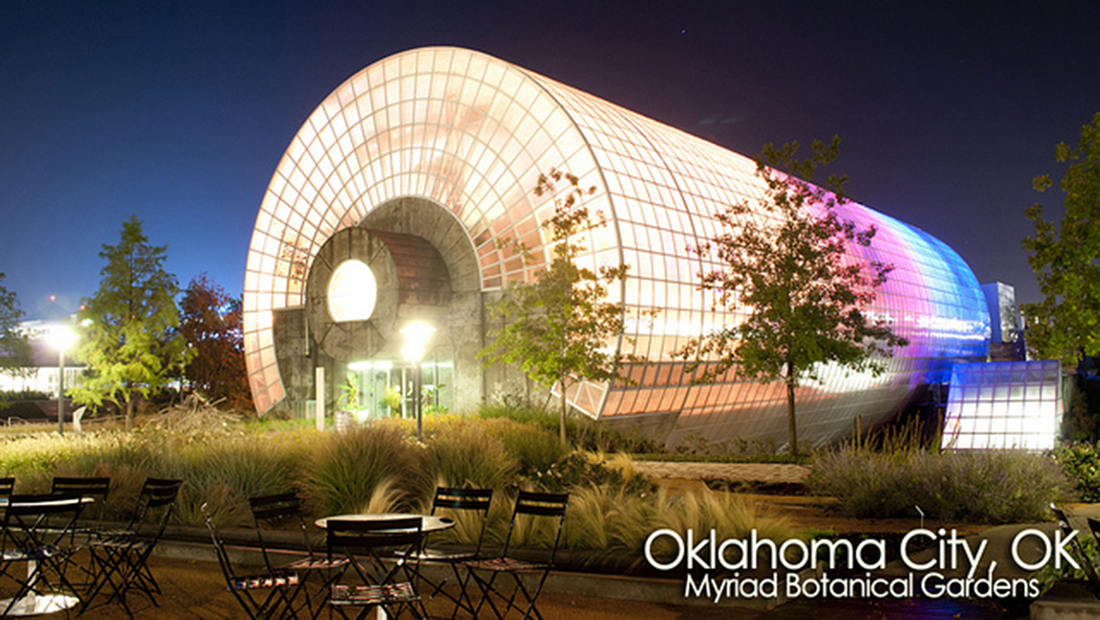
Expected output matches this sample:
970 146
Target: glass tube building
422 164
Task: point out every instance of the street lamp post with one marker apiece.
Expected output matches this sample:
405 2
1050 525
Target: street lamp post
62 337
416 336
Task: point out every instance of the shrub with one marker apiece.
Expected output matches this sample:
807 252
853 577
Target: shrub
1049 574
583 469
978 486
1081 463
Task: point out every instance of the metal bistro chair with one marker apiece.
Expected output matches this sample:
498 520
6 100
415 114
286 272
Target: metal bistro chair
1086 565
96 488
120 557
86 527
549 506
362 540
269 511
35 530
279 584
474 502
7 485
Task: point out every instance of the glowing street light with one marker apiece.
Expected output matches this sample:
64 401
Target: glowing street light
416 336
62 338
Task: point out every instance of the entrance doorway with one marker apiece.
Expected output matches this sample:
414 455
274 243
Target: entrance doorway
386 387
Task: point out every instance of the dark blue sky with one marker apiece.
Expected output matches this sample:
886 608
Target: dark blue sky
178 112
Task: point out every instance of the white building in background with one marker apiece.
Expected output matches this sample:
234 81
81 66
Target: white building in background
42 375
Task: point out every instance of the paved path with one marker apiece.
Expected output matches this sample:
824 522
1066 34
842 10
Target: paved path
195 590
767 473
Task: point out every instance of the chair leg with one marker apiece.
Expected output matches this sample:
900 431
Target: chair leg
509 603
486 587
532 598
462 594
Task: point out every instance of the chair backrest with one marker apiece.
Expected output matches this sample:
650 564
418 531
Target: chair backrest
475 501
1086 564
156 494
97 488
7 486
369 534
268 510
536 504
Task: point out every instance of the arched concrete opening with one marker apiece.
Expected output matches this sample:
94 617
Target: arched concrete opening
422 268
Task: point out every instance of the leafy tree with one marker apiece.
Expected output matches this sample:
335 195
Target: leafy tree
130 341
1065 325
787 264
556 327
211 326
15 349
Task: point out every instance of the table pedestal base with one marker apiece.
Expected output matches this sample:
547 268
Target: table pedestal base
35 604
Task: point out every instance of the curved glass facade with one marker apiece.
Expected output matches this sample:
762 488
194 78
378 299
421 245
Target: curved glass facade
471 133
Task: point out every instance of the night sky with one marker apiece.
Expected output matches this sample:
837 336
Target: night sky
178 112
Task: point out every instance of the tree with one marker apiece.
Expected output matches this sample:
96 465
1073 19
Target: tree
130 343
15 349
556 327
211 326
1065 325
788 262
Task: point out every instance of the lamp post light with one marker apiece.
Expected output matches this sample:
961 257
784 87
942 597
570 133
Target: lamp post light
62 338
416 336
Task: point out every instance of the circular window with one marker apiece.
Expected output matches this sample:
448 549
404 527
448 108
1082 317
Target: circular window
352 292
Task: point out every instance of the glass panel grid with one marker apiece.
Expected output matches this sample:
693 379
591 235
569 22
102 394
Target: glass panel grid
472 133
1003 405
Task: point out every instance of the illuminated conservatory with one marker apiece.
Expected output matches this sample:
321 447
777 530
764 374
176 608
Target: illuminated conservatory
391 205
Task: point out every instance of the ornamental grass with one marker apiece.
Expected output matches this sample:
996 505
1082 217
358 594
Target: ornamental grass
966 486
382 468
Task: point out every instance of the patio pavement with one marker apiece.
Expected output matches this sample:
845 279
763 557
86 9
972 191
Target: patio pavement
195 589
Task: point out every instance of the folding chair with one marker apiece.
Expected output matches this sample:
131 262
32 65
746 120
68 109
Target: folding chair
362 541
286 508
7 485
120 558
278 584
96 488
86 527
1086 564
474 502
549 506
35 529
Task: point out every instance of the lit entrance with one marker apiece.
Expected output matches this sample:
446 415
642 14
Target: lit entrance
385 387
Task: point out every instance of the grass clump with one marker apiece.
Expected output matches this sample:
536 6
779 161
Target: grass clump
971 486
616 520
343 472
461 454
535 448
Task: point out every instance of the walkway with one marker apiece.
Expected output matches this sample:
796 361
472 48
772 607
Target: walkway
194 589
765 473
